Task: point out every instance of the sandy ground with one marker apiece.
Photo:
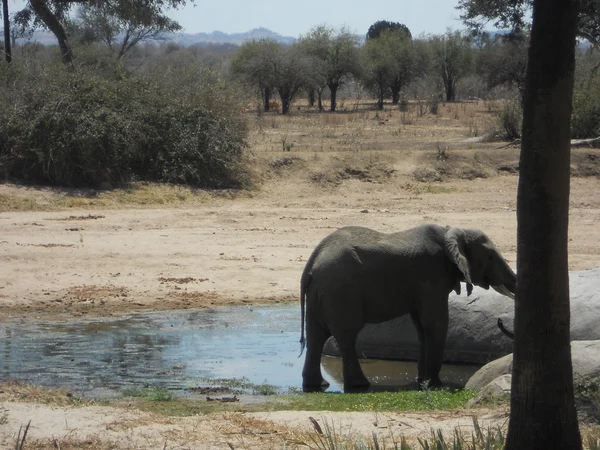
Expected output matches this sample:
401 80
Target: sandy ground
106 427
244 250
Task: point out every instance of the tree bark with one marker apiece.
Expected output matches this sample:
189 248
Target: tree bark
47 16
267 99
333 88
7 49
543 414
311 96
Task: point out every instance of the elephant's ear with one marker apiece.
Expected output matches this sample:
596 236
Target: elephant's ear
455 249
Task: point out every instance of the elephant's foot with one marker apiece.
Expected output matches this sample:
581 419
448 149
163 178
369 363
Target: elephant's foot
356 388
357 385
315 385
431 383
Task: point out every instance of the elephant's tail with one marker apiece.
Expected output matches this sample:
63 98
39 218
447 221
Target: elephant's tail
304 283
303 286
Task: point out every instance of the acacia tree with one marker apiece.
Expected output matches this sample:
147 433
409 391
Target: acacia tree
452 58
335 57
53 14
102 22
543 411
288 69
379 64
412 57
248 64
503 61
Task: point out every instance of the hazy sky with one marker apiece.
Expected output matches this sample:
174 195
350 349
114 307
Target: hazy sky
292 18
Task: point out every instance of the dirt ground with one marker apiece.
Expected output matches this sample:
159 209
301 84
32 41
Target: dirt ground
388 171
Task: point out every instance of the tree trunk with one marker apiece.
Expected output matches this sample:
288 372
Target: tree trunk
543 414
333 89
7 50
450 90
285 101
320 99
47 16
380 100
266 99
311 97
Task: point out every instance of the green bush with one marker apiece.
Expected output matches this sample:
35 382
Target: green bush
103 128
585 119
509 120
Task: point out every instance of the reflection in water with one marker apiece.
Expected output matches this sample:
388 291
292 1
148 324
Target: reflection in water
394 375
176 350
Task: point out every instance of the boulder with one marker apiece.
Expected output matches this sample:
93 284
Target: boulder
473 334
584 354
495 391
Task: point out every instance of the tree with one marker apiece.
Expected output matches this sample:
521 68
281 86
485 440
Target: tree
543 414
513 14
248 65
379 64
452 58
335 57
288 70
102 22
7 42
53 14
412 57
380 26
503 60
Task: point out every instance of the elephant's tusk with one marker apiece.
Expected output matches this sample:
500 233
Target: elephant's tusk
504 291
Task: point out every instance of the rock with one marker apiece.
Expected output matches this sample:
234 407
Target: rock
473 334
490 372
584 354
495 391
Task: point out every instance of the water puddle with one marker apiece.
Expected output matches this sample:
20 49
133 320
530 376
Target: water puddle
177 350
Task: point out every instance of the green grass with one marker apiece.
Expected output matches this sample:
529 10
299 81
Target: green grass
381 401
266 399
150 394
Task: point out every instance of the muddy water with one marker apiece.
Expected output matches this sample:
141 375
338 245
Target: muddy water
177 350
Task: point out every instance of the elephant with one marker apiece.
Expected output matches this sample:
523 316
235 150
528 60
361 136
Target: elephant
357 275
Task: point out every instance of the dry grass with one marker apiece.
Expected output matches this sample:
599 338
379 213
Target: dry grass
330 148
16 391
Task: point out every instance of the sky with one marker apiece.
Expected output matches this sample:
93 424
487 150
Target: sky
293 18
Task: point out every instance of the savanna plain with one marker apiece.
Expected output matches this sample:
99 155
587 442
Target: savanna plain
152 247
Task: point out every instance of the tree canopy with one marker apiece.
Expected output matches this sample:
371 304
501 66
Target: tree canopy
53 14
514 15
380 26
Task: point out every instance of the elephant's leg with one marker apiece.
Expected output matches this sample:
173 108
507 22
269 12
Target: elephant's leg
435 330
354 378
422 347
316 335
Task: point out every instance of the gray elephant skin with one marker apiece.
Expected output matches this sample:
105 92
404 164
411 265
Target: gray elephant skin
357 276
473 335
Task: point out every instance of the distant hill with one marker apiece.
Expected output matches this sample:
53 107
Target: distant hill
216 37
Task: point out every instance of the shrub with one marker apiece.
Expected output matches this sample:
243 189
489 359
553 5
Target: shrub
585 119
105 128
